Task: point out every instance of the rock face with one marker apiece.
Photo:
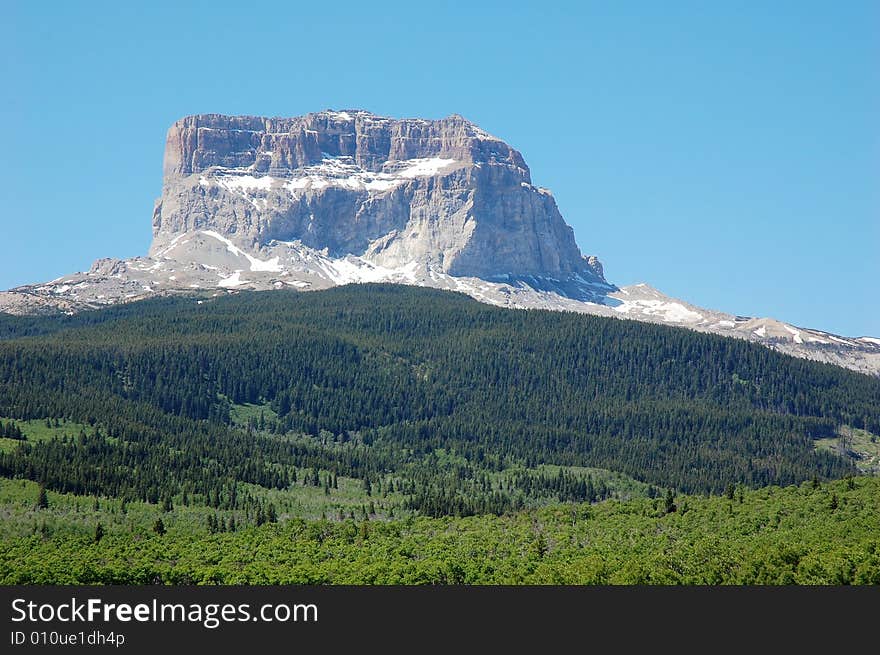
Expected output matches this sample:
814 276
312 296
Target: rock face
444 194
340 197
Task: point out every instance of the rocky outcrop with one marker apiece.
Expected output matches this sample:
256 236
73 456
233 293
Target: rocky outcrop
442 193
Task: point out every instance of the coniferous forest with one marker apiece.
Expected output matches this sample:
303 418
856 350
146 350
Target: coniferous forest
395 413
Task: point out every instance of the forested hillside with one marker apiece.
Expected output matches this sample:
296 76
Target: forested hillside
373 382
389 434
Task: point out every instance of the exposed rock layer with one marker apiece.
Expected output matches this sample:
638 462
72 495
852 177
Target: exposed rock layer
441 193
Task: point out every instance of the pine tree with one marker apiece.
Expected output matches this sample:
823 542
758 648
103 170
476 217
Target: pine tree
42 498
670 501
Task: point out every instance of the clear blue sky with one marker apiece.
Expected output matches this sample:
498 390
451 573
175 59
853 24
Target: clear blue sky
726 153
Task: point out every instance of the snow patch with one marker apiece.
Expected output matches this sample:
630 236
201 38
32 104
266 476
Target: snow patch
272 266
233 280
424 167
672 312
338 115
795 334
353 270
761 331
332 171
169 247
245 182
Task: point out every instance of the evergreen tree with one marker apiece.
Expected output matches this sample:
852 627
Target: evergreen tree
42 498
669 501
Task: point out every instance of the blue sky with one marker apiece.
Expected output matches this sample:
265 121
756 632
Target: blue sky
726 153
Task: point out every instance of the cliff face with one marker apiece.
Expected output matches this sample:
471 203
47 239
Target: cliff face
443 194
283 145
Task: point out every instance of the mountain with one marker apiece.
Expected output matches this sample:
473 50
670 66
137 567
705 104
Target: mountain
336 197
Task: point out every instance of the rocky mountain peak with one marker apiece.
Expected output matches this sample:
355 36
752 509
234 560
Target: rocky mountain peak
342 196
443 194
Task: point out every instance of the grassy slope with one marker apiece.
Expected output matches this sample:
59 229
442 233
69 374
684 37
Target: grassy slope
827 534
75 515
36 430
862 447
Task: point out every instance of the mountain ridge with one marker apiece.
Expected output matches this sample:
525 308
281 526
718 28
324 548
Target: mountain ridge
338 197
